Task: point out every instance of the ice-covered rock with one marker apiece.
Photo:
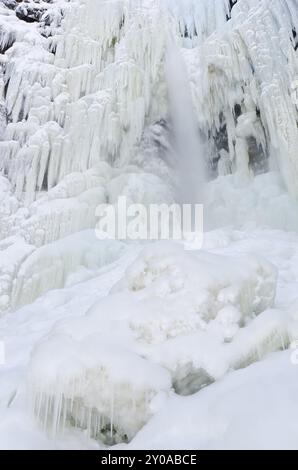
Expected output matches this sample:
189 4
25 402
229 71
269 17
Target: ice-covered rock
180 313
244 94
94 384
85 116
235 413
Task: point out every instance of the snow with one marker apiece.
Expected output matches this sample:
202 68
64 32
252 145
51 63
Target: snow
148 345
64 114
93 339
250 409
98 381
255 202
177 296
50 267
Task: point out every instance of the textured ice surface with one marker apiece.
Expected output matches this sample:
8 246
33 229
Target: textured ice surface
172 312
64 114
85 116
193 359
85 113
94 384
250 409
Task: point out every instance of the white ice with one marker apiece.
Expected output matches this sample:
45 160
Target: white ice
148 345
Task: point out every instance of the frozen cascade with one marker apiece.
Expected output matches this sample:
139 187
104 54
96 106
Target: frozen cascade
64 80
64 115
96 99
244 94
188 148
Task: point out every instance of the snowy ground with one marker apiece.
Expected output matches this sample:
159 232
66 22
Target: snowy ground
251 408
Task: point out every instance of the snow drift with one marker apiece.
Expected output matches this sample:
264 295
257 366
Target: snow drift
174 320
85 116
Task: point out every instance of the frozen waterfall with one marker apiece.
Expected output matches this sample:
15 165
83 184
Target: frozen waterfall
188 149
160 101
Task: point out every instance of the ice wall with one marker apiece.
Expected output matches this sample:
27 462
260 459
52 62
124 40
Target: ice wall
78 82
84 81
188 149
81 94
243 78
85 116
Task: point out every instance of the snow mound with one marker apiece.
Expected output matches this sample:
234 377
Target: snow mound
200 282
94 384
255 408
108 371
197 359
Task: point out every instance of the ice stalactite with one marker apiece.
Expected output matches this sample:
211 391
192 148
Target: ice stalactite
82 94
197 20
106 390
91 108
244 93
65 115
77 90
84 82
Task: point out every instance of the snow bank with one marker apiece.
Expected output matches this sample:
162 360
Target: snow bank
175 312
94 384
254 408
50 266
256 202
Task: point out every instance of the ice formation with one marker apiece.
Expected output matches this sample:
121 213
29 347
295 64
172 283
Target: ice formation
90 111
102 387
244 94
165 297
83 83
235 413
81 90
